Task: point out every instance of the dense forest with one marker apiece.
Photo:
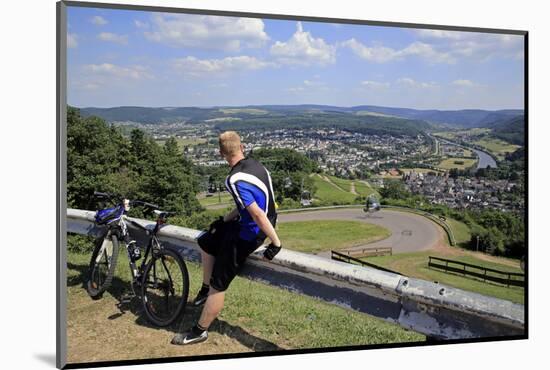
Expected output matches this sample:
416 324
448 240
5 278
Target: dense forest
373 125
100 158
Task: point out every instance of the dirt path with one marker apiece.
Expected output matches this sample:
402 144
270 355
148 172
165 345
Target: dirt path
352 188
331 183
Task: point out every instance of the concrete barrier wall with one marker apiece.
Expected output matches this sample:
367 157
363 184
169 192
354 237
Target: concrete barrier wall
436 310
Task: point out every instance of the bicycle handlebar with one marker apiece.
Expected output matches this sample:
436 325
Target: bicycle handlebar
145 204
99 194
116 198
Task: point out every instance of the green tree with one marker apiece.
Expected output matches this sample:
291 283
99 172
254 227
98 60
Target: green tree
100 158
394 190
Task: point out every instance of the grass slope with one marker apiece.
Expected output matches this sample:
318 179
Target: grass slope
461 231
256 317
329 194
215 199
416 265
317 236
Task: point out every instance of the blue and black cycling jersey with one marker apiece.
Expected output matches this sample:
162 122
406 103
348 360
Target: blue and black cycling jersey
249 181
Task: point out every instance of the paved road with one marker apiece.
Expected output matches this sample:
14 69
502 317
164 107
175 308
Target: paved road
409 232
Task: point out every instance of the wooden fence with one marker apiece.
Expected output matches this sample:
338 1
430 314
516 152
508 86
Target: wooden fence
484 273
368 252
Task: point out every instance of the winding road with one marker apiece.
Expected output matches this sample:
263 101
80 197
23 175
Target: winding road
409 232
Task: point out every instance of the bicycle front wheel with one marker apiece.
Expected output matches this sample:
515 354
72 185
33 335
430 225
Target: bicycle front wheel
165 287
102 265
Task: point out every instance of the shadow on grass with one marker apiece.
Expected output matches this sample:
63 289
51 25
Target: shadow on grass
119 290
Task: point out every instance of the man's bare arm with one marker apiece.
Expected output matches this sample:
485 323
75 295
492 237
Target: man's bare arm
260 218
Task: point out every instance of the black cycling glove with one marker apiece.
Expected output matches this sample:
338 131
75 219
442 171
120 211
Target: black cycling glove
216 225
271 251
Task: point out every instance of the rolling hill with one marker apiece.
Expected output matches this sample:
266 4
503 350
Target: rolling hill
466 118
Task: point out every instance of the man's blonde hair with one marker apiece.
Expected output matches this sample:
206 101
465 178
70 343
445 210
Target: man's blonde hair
230 143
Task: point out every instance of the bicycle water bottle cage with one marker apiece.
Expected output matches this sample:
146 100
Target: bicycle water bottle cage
108 215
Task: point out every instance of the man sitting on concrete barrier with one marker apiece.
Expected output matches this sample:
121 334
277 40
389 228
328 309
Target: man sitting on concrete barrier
228 243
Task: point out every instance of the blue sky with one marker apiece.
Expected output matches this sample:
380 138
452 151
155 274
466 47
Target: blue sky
123 57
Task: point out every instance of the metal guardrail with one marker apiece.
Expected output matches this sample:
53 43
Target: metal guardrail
349 259
433 309
486 277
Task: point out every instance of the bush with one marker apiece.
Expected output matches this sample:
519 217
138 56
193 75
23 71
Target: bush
288 203
198 221
491 240
80 243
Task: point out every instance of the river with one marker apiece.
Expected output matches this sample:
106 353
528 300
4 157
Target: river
485 160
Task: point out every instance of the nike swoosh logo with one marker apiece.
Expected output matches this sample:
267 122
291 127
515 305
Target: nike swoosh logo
185 341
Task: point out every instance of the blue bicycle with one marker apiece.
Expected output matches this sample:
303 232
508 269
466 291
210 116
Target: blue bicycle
161 280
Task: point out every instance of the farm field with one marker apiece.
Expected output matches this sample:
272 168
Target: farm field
497 147
452 135
449 163
184 142
243 110
419 170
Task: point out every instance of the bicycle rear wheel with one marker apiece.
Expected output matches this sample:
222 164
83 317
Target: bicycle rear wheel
165 287
102 265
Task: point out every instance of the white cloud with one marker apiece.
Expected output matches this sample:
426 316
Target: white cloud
442 46
382 54
113 37
475 45
441 34
142 25
310 86
463 83
313 83
375 84
86 86
192 66
135 72
72 40
409 82
98 20
303 49
221 85
296 89
207 32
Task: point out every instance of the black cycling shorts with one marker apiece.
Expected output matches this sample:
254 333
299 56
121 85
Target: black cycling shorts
231 252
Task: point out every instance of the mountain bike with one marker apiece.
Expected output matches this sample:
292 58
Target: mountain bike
161 281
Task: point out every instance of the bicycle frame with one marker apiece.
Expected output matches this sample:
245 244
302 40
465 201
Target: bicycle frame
152 245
